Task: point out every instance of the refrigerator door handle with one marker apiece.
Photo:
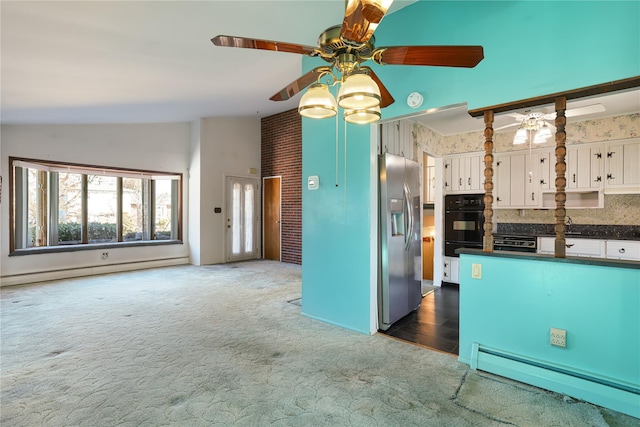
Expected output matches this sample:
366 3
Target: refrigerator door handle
408 215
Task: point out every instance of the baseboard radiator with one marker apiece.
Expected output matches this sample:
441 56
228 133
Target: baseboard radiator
611 393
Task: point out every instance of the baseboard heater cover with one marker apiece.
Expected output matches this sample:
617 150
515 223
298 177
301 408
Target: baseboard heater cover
611 393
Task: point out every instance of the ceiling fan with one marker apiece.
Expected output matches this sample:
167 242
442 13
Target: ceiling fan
521 119
345 47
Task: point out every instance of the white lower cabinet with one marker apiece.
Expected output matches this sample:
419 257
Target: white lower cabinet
597 248
574 247
451 271
623 249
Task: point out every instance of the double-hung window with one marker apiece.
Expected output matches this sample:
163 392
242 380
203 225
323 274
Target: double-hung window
56 205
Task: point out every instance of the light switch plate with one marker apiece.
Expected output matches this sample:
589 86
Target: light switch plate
313 182
476 271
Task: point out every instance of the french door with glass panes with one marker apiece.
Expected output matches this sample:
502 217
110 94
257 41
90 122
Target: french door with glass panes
242 218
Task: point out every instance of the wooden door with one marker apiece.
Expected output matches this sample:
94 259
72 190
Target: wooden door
272 201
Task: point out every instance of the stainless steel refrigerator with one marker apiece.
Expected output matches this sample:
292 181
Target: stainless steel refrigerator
399 262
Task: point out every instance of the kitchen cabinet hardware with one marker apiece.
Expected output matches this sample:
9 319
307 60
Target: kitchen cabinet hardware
610 176
533 196
570 245
574 177
598 155
621 250
598 179
610 154
542 182
469 181
461 182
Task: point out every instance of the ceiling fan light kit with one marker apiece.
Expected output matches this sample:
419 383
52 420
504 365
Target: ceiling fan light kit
345 47
534 129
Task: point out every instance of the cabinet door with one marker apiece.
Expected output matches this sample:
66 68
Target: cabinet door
405 134
503 181
456 177
446 271
532 182
517 175
623 249
455 270
448 176
547 172
476 173
622 164
584 167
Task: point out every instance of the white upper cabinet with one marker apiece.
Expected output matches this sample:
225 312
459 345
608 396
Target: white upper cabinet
623 166
396 137
464 173
585 167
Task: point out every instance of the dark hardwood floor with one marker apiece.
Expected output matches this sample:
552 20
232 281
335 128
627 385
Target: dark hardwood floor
434 324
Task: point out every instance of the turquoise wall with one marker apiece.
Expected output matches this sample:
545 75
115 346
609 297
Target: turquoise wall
516 302
335 225
531 48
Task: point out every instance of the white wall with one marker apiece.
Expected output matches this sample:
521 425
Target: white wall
161 147
227 147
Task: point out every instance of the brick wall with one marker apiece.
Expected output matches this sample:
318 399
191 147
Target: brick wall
282 156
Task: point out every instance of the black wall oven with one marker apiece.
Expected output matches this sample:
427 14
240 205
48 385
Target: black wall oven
463 222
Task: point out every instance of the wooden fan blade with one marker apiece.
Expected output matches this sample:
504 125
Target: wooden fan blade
387 99
247 43
361 18
298 85
443 56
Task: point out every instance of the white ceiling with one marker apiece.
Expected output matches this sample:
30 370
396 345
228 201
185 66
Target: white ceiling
455 119
152 61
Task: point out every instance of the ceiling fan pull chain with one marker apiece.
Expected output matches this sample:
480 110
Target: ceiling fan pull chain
337 165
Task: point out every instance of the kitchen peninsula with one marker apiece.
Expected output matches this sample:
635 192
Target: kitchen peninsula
510 301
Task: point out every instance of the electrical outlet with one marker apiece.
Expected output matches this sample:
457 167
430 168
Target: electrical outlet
558 337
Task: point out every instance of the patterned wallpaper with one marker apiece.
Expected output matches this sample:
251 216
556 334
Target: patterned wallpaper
618 209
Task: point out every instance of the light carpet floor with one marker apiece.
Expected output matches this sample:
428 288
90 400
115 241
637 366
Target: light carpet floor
227 345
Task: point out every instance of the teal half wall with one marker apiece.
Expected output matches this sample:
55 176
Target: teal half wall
531 48
507 314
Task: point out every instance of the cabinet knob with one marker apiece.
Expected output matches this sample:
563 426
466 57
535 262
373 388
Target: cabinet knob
610 176
621 250
598 179
570 246
610 154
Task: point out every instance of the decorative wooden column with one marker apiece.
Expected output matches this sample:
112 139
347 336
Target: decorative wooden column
561 180
487 240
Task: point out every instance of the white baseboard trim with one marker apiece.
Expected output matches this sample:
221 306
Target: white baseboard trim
45 276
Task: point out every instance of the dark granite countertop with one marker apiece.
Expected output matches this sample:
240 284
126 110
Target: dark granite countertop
550 258
608 232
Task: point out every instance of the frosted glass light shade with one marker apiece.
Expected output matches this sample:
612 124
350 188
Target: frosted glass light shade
362 116
359 92
318 102
542 135
521 136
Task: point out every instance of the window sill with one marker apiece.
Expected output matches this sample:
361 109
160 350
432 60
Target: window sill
92 246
